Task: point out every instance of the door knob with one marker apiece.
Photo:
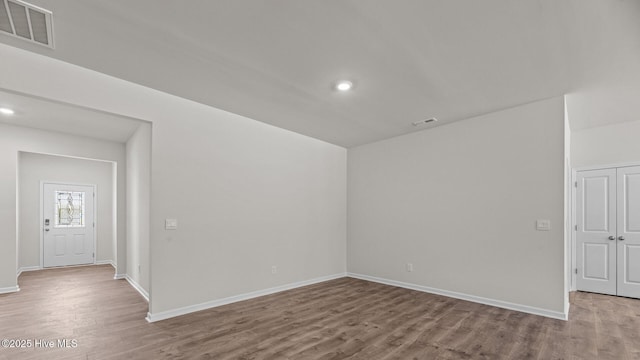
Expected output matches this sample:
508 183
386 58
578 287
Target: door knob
612 237
46 229
621 238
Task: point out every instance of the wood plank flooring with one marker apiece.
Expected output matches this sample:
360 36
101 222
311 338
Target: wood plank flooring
338 319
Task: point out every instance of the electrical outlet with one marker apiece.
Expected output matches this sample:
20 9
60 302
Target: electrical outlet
409 267
274 269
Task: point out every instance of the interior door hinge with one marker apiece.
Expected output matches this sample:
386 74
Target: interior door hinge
94 255
576 270
575 184
576 227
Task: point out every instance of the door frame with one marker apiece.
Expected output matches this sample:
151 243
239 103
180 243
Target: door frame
41 216
574 222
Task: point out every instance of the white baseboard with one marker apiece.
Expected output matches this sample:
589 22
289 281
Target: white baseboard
137 286
34 268
106 262
119 276
11 289
27 268
477 299
232 299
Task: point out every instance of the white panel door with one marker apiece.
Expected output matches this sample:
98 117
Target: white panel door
596 235
629 231
68 216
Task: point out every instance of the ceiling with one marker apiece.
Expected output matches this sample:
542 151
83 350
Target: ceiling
46 115
276 61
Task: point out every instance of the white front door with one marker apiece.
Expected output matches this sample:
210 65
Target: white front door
596 234
68 224
629 231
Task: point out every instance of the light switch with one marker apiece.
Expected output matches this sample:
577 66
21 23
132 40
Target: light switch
171 224
543 225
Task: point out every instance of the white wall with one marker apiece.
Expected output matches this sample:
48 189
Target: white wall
460 203
606 145
604 59
34 168
247 195
14 139
138 205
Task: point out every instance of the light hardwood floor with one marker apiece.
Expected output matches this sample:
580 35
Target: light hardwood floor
338 319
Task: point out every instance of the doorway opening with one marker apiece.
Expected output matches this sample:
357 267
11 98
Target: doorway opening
58 132
68 210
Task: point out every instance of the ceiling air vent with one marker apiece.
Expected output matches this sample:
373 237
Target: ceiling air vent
27 22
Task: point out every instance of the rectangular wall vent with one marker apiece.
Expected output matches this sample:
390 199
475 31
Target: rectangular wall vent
27 22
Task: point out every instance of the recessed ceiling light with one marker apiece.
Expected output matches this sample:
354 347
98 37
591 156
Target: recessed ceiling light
7 111
344 85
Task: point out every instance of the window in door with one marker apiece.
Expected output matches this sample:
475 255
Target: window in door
69 211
